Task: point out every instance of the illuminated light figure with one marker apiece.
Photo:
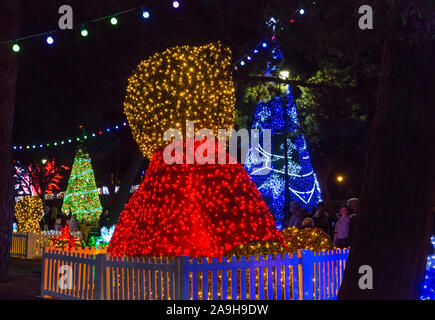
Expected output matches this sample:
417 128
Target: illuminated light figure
179 84
81 196
302 181
28 212
193 210
187 209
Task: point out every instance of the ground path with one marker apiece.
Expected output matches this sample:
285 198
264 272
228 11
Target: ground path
24 281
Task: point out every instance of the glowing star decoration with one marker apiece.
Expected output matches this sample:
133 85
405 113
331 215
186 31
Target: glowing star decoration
192 209
81 196
28 212
180 84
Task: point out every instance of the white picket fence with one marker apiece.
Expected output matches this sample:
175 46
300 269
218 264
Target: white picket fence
304 276
31 245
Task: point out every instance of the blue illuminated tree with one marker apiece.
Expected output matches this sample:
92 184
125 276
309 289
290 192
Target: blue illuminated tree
428 290
280 116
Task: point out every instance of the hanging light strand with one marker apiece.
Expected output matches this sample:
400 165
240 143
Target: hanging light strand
66 141
144 9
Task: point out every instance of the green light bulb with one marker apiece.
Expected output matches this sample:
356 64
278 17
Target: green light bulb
16 48
114 21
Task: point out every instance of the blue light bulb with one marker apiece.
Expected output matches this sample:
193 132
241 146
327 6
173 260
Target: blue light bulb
145 14
50 40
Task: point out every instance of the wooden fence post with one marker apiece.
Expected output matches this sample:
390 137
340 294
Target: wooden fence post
28 252
30 245
307 274
100 278
182 279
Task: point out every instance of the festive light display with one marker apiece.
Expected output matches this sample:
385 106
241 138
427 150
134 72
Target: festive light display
66 241
428 289
257 248
103 240
33 180
187 209
314 239
28 212
191 209
180 84
308 239
81 196
280 116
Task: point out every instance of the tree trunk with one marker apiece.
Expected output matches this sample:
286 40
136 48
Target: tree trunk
397 199
8 76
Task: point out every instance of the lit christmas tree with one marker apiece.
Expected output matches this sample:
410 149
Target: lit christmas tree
280 116
428 290
81 196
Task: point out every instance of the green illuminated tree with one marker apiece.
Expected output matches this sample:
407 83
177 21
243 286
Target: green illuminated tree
81 196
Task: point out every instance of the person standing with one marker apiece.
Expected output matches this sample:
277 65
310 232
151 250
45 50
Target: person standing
58 225
297 215
342 229
321 218
74 224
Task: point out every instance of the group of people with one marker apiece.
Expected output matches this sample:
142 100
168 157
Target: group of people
339 227
53 220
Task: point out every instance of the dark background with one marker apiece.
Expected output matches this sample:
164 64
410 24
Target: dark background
82 81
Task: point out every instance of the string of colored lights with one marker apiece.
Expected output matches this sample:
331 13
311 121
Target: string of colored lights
83 27
65 141
264 44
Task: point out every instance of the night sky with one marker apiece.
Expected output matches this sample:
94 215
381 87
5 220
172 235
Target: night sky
82 80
